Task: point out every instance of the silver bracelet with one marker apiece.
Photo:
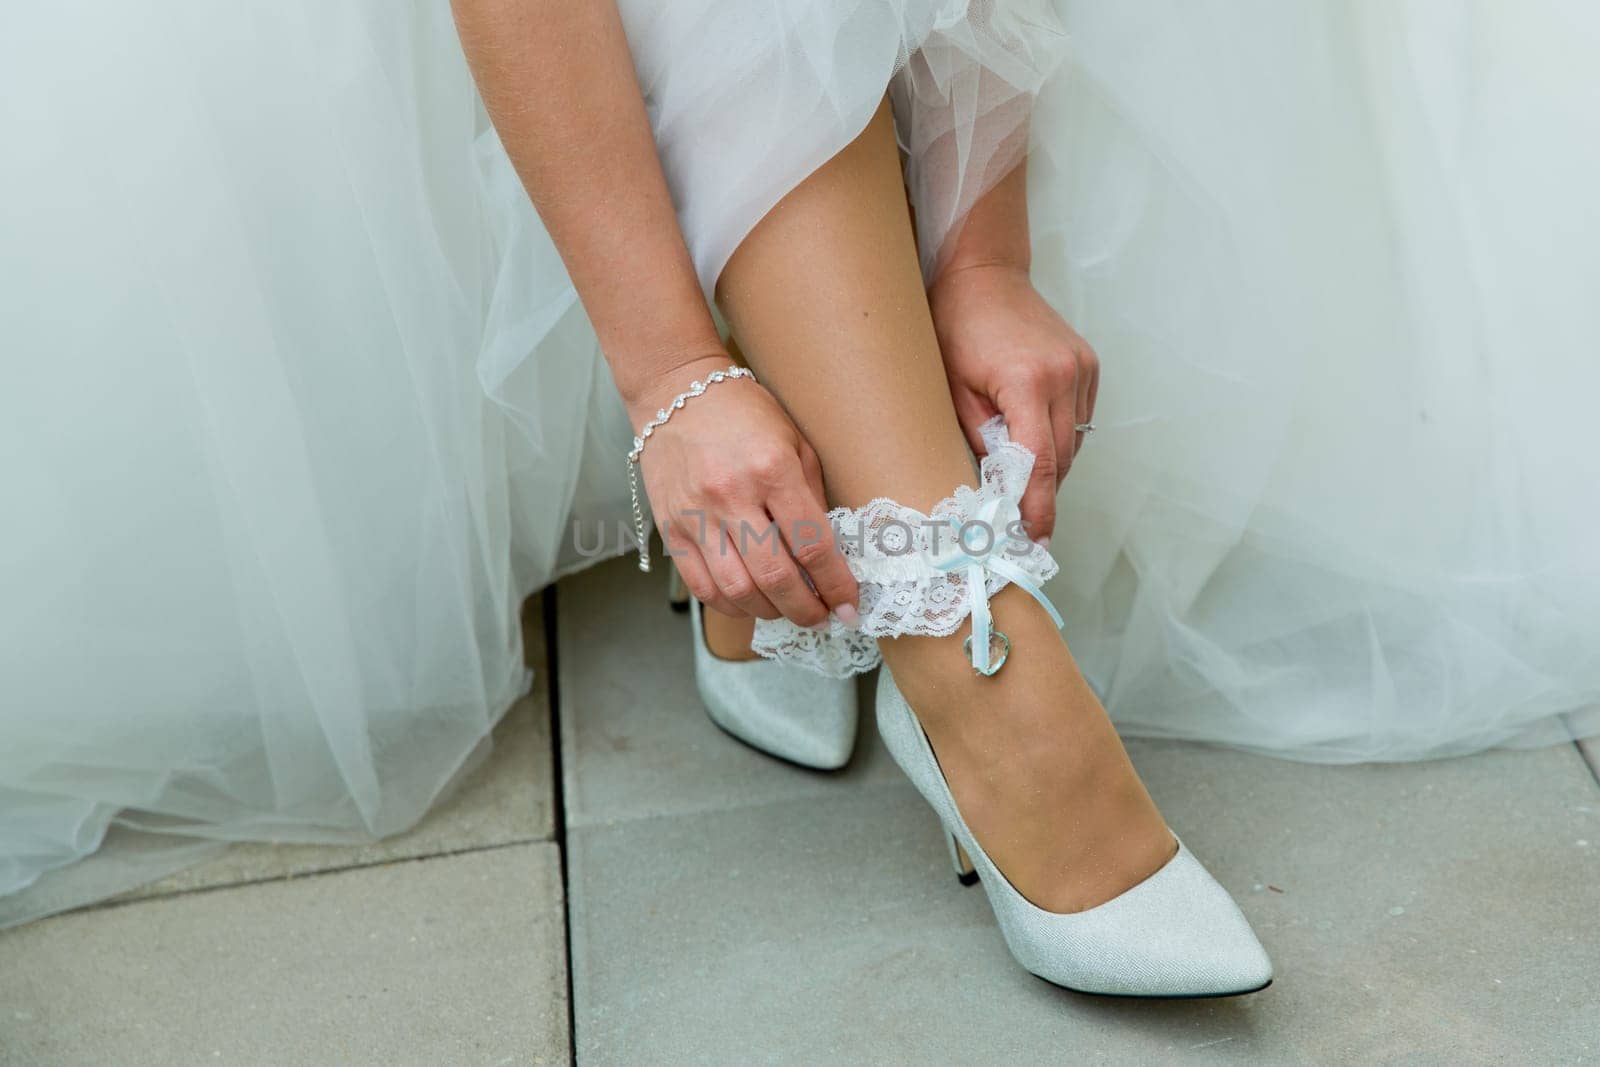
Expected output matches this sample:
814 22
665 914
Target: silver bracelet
695 389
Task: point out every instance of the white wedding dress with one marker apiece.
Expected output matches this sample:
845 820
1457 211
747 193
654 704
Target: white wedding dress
299 403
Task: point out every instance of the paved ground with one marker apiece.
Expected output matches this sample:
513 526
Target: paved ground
445 945
725 908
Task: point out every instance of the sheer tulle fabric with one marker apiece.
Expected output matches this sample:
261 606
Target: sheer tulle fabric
748 99
300 402
1340 263
280 466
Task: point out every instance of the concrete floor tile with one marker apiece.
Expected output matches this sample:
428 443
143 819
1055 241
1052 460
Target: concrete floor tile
450 960
636 740
508 798
1433 911
1436 912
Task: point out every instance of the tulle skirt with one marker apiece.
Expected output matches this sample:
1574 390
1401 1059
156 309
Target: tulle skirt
1340 261
748 99
300 404
280 461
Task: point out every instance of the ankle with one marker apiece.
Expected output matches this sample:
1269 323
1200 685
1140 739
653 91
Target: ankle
727 637
1037 684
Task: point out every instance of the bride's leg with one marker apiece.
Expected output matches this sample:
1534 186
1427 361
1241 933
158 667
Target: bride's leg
827 300
728 637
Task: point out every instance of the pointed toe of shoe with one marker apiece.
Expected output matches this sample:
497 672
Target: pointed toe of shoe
785 711
1177 934
807 720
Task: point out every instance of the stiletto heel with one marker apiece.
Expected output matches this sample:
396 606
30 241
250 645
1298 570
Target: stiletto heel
1175 934
677 592
965 874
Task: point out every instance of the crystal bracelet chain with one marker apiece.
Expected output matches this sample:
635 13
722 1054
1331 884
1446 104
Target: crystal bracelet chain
695 389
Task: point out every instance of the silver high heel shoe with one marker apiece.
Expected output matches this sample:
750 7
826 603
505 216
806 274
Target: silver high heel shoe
784 711
1176 934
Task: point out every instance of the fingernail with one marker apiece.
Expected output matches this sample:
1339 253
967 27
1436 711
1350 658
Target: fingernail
821 627
847 615
1044 542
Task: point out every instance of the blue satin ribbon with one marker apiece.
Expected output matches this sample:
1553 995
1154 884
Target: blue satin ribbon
978 570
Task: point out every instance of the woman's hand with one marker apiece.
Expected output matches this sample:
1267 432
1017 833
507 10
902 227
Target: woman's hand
737 494
1007 352
730 460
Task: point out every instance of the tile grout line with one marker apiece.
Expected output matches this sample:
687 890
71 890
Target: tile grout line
558 794
714 808
292 876
1590 760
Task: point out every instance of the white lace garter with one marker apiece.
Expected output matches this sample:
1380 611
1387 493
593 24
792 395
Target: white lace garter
917 571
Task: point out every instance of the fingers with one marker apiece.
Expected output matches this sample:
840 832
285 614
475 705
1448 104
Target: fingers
740 492
733 578
696 576
1088 386
809 536
811 467
1027 414
1064 421
742 564
777 574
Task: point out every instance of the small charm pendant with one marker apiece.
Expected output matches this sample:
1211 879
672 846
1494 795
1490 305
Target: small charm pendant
999 649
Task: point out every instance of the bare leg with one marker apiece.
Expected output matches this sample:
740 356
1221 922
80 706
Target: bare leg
827 300
728 637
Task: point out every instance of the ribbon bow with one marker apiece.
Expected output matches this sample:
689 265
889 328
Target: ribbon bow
978 568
